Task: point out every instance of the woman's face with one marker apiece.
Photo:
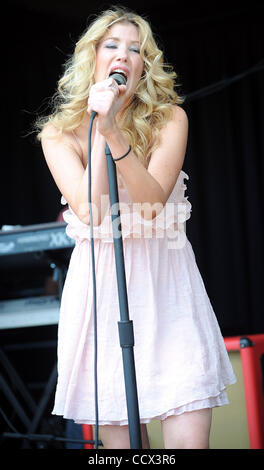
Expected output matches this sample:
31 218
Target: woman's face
119 50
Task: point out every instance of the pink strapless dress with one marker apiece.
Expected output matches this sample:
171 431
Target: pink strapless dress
180 356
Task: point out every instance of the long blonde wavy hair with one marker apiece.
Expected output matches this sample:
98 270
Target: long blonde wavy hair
151 106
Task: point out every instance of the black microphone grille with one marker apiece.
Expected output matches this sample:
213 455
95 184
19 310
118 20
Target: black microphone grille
119 78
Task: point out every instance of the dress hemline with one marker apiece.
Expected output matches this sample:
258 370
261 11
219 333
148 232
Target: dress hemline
209 402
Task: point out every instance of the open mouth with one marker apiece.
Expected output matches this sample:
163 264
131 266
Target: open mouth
119 71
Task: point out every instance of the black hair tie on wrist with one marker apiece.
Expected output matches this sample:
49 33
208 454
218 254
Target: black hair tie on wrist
123 156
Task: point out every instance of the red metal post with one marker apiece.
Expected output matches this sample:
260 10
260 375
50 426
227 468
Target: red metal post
87 430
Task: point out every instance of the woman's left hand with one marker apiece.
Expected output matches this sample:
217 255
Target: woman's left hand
106 98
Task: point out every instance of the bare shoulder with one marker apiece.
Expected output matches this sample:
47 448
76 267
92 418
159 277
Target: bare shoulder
179 116
176 127
50 132
53 140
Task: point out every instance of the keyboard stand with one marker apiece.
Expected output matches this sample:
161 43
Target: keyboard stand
16 393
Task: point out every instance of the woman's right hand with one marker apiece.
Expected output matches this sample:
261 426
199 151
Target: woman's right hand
106 99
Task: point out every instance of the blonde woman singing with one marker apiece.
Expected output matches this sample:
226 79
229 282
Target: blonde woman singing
182 366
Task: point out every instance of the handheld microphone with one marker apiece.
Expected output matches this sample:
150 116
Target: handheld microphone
119 79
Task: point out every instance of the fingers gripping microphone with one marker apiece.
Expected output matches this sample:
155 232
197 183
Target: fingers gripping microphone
119 79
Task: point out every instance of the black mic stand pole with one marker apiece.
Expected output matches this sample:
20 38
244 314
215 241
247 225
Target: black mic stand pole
125 326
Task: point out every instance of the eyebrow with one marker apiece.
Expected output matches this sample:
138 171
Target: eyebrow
118 39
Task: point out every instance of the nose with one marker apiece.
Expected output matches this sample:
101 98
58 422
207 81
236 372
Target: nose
122 54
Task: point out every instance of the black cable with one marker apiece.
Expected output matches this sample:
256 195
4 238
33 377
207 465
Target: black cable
94 281
96 440
221 84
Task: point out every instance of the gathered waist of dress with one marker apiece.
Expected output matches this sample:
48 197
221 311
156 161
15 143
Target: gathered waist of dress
169 222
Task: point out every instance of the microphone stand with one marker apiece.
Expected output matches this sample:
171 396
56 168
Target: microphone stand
125 325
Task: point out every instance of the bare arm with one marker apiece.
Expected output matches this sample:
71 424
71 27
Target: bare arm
65 164
153 185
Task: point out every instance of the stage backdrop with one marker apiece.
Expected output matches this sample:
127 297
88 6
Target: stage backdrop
224 158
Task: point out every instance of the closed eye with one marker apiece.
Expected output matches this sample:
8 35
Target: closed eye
135 49
115 46
111 46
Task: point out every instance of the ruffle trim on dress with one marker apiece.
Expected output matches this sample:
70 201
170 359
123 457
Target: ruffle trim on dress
208 402
170 221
